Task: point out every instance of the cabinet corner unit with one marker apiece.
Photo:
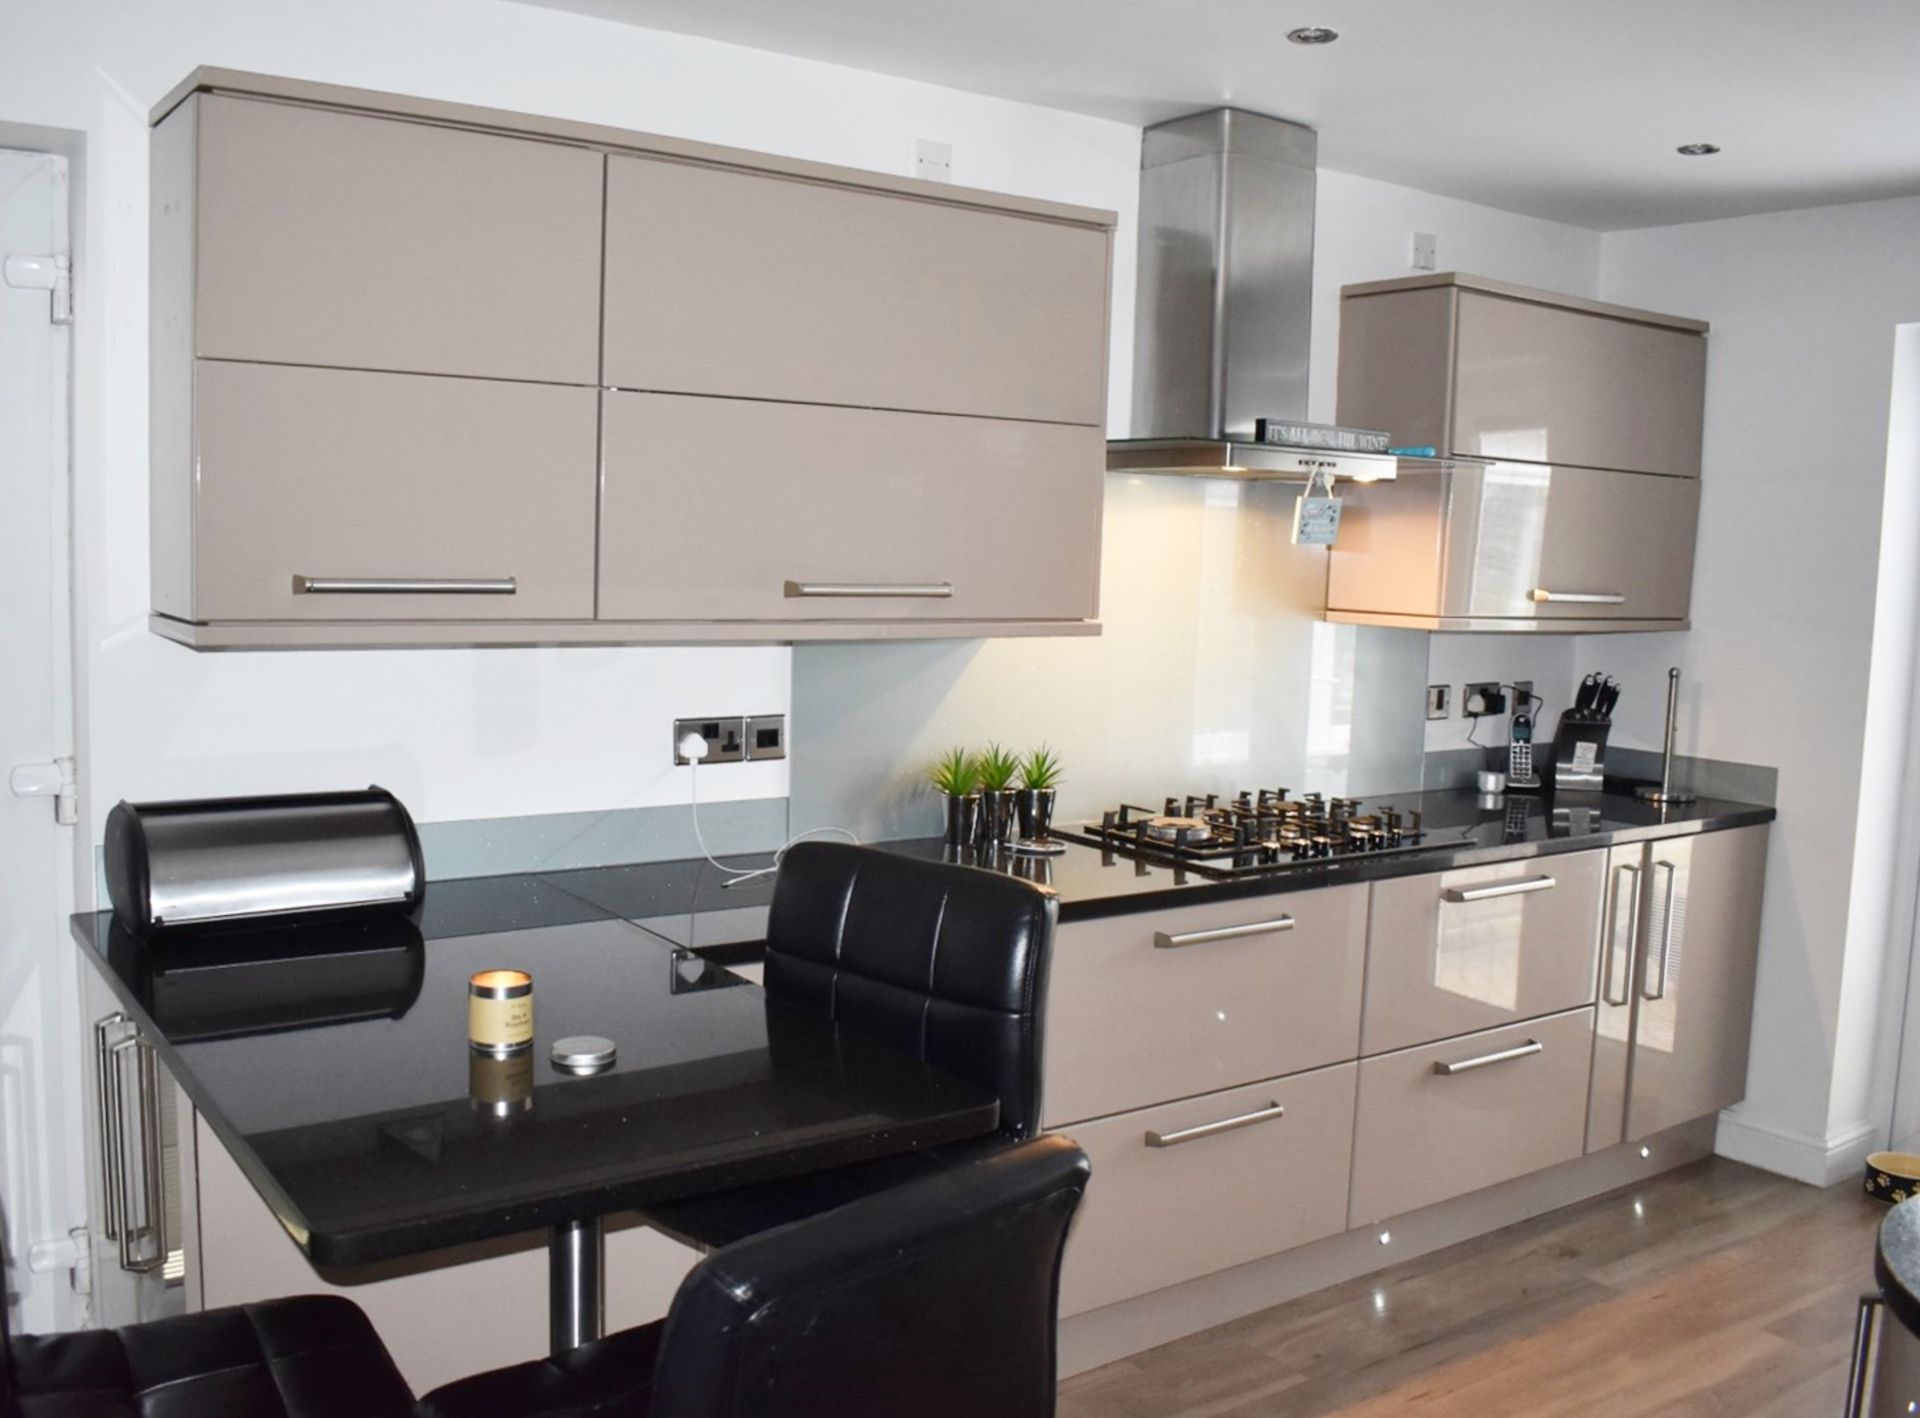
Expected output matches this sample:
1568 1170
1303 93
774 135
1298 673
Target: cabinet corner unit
425 374
1566 494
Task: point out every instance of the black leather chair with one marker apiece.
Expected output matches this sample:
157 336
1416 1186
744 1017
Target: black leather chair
315 1356
933 1299
948 963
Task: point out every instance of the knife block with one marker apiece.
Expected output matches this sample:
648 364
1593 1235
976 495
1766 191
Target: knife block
1579 753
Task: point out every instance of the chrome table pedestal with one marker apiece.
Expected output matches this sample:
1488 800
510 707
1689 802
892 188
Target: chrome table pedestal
576 1284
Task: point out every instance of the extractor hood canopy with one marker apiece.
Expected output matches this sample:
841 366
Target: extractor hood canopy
1224 301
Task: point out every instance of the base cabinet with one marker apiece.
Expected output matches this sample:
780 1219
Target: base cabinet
1445 1119
1210 1182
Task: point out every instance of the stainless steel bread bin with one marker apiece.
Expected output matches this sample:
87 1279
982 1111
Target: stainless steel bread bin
194 863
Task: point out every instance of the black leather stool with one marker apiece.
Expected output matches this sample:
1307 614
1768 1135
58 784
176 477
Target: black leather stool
935 1299
947 963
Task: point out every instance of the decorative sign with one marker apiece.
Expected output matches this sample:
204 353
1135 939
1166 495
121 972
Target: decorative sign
1316 520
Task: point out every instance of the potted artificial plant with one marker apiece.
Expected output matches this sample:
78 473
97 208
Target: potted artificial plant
956 775
998 770
1039 782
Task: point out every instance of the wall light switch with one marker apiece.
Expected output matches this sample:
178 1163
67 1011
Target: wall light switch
1425 255
933 161
1437 701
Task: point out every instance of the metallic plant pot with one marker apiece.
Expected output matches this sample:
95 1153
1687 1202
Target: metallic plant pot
1036 813
963 818
996 816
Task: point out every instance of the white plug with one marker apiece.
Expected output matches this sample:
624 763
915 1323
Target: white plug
693 748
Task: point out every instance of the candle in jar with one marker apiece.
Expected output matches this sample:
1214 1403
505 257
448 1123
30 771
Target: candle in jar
500 1011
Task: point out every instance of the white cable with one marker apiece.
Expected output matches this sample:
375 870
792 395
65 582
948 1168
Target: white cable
693 748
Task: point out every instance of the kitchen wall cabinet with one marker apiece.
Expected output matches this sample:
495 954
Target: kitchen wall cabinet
1480 947
383 329
751 285
324 237
1694 946
1486 369
1587 418
1229 992
1517 546
861 514
466 498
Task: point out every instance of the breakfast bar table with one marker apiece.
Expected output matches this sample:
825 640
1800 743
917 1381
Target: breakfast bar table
332 1062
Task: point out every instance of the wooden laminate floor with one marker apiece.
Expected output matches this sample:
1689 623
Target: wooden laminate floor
1714 1289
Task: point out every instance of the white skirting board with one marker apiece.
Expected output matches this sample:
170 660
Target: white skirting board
1817 1161
1101 1336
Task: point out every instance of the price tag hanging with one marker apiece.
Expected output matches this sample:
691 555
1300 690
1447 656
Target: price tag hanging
1316 517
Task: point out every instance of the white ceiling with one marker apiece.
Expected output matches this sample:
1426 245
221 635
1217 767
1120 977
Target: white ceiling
1566 109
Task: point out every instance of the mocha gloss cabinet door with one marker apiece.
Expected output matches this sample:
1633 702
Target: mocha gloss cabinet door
1479 947
1555 385
743 510
1694 991
1168 1004
466 499
346 239
729 282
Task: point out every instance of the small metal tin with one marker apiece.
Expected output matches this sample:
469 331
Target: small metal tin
583 1054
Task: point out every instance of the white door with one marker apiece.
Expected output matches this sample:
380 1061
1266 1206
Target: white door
43 1106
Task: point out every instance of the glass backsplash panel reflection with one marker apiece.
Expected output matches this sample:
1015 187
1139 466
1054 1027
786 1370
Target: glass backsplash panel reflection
1214 673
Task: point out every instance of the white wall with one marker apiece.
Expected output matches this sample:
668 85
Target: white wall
1803 307
455 733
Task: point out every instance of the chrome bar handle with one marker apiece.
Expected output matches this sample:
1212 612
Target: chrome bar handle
1498 889
1540 596
1164 940
861 590
1271 1113
1860 1370
131 1230
1633 936
107 1104
1666 932
153 1225
1519 1051
405 585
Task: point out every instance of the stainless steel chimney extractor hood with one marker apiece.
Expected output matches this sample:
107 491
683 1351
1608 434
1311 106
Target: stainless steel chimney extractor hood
1223 308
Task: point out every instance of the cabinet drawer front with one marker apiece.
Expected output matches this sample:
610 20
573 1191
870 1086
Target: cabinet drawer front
1564 386
455 488
1566 543
1477 948
1514 1102
1275 990
723 282
1157 1215
732 509
374 243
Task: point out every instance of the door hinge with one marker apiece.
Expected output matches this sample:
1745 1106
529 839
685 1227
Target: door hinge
70 1253
53 274
49 780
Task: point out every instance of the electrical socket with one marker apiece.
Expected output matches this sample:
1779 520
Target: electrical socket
766 737
1437 701
1482 698
1522 695
726 738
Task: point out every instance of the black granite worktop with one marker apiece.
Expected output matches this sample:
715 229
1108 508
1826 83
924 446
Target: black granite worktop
689 903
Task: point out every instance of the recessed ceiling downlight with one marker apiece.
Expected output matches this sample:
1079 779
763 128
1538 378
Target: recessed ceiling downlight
1697 150
1313 34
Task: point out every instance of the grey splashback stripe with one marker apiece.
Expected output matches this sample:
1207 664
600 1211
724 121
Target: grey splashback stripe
1709 777
493 846
560 841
